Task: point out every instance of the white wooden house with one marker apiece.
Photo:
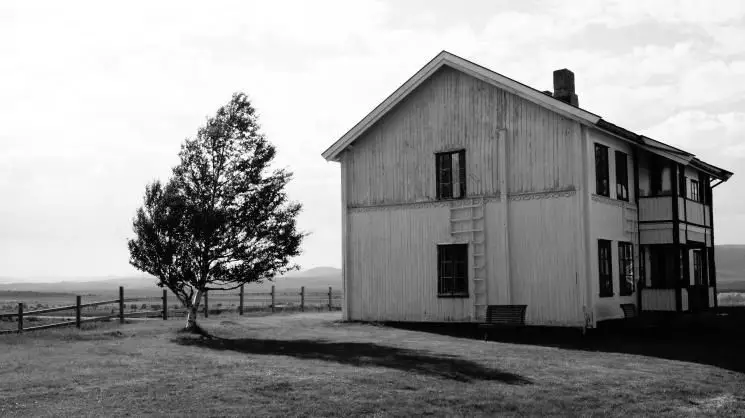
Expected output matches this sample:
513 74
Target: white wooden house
465 189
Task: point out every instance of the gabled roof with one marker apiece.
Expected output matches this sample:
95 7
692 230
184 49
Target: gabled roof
445 58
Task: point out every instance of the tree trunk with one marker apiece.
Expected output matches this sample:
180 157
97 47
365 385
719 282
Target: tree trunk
191 316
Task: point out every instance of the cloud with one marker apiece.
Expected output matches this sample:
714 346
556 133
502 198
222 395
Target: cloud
624 12
97 97
712 81
712 136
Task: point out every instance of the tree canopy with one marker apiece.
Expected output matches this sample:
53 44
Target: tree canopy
223 219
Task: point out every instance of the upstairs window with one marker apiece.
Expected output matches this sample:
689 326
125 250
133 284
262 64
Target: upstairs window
626 268
605 268
602 182
452 270
695 192
451 174
660 173
622 176
705 188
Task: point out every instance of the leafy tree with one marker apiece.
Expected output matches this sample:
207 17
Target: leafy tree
223 219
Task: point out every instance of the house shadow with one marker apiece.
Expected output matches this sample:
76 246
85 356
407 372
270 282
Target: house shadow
709 339
360 355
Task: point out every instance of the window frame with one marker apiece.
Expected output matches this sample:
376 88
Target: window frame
659 170
697 256
458 286
622 173
626 280
695 190
439 171
605 280
602 170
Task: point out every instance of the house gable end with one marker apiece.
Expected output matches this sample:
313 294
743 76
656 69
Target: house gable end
467 67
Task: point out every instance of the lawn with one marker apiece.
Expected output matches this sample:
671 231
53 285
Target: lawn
314 365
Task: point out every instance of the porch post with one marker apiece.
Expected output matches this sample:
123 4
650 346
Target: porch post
675 182
705 274
687 275
640 270
711 252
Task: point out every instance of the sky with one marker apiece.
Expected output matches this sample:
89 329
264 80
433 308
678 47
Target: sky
97 97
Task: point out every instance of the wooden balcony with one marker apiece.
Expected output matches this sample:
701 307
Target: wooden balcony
693 212
656 220
656 209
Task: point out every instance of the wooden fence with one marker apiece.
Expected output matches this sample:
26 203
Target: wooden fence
275 301
78 307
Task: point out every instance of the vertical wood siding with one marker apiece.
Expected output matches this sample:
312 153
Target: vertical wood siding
663 300
393 262
394 226
541 148
712 296
683 237
694 212
656 234
694 233
658 208
394 161
543 265
345 272
614 220
658 299
498 285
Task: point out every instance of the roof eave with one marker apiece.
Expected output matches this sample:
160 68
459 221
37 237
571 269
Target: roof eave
712 170
334 152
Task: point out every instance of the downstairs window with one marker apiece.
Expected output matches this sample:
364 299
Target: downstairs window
626 268
605 268
452 270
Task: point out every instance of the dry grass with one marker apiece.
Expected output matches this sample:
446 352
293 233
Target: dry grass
310 364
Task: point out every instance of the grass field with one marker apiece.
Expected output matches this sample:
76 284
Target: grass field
312 364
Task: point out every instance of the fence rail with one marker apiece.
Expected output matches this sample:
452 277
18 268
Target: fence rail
277 301
78 307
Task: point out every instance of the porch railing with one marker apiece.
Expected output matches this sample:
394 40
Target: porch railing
662 300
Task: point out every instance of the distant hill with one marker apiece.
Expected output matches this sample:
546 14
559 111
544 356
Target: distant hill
730 261
318 277
5 294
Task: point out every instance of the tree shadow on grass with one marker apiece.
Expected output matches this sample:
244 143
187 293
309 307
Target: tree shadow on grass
715 340
361 355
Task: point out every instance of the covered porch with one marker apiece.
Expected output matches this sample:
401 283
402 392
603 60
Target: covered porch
677 278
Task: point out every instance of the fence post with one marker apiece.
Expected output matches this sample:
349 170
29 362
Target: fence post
121 304
77 310
240 304
206 305
329 298
165 304
20 317
302 298
273 298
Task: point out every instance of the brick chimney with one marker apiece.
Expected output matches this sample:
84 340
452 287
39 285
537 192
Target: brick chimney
564 86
